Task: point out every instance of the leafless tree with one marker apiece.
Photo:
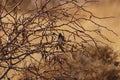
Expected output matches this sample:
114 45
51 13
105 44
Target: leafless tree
33 42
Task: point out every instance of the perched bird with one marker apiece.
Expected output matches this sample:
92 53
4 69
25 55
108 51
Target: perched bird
61 41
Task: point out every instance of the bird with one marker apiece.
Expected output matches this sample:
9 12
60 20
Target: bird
61 40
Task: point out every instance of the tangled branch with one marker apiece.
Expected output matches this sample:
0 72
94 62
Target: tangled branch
48 32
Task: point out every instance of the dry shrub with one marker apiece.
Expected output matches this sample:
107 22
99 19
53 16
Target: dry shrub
96 65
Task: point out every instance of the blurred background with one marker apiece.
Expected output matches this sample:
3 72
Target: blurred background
105 8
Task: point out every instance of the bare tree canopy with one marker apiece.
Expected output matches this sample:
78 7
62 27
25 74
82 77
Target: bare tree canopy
36 42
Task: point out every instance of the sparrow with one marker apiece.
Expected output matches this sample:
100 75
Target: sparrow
61 41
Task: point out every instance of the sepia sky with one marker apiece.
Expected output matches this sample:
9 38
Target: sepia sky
107 8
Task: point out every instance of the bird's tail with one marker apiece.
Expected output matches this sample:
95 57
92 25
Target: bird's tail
61 48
